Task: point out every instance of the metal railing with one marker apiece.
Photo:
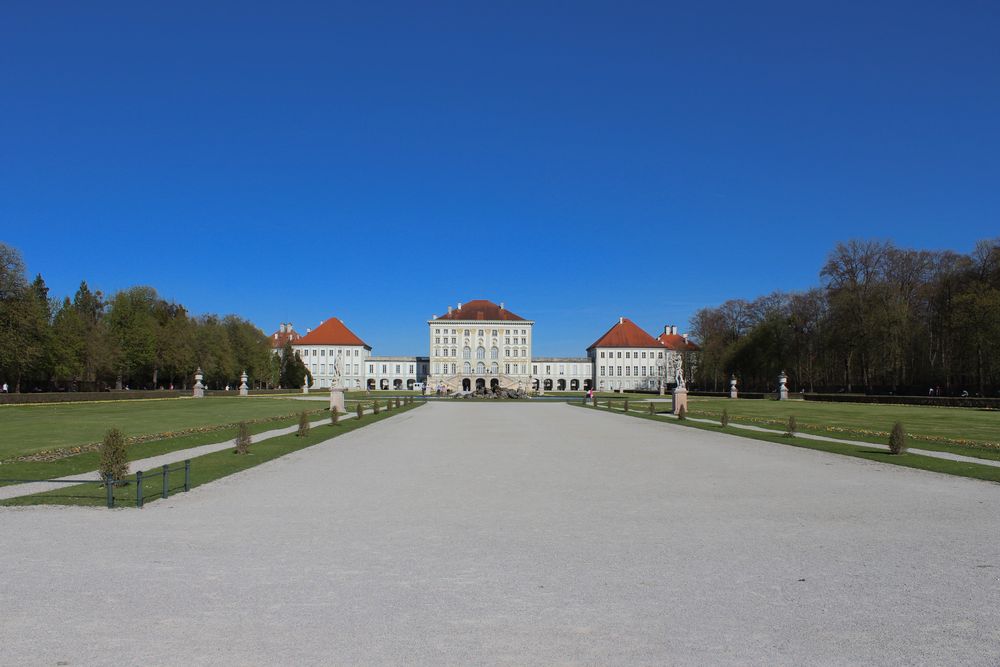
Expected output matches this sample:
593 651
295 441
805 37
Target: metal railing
110 483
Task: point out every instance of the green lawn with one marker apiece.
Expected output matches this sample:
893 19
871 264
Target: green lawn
968 431
909 460
204 469
25 429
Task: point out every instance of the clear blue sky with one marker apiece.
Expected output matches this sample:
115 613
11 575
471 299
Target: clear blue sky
290 161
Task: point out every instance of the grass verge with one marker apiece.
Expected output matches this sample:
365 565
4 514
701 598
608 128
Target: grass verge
204 469
909 460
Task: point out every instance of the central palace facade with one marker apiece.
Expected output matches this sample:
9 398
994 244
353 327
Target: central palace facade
481 345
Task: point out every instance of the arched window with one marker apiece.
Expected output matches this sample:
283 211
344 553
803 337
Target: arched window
480 353
494 353
480 368
495 368
467 368
467 352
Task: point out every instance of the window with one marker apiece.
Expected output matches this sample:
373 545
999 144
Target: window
480 352
322 353
322 369
643 370
371 369
480 368
466 332
534 369
619 371
627 369
643 355
384 367
494 332
495 368
397 369
660 355
635 370
602 354
466 352
480 332
453 369
506 369
453 341
411 369
494 353
626 354
602 370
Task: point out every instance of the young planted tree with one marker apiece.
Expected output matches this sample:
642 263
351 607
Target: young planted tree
724 419
593 400
360 408
625 409
334 417
114 457
652 411
792 428
897 439
303 424
243 439
375 406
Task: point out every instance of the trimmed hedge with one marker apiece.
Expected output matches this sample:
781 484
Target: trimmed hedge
73 396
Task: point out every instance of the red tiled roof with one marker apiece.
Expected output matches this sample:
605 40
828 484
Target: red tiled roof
331 332
481 309
279 338
677 342
625 333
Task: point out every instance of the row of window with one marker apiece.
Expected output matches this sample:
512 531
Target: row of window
633 370
562 368
320 369
480 352
495 332
410 369
312 352
631 355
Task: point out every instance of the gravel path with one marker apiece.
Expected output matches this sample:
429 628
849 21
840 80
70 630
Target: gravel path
518 534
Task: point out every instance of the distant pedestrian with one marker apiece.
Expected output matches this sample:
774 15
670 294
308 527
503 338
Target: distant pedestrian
5 387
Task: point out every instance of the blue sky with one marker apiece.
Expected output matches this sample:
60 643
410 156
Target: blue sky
578 161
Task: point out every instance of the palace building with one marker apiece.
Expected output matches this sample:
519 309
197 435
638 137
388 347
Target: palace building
481 345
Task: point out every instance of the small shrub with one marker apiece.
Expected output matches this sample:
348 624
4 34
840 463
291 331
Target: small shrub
897 439
303 424
360 410
388 404
792 428
682 414
334 417
114 456
375 406
724 419
652 411
243 439
625 409
594 400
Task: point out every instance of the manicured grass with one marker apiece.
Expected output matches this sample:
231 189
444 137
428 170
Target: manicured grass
204 469
961 469
962 428
25 429
967 431
88 461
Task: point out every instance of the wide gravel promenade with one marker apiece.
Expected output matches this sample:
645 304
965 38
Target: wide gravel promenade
518 534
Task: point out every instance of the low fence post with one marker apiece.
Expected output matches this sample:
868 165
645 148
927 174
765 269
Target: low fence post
166 481
187 474
109 485
138 489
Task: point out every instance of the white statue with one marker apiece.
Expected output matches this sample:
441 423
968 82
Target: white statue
338 368
679 377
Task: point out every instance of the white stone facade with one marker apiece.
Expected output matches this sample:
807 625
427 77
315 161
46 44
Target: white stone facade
622 369
320 360
383 373
562 373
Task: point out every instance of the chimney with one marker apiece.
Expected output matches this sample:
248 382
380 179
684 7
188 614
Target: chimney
685 338
460 305
308 331
449 310
666 330
674 329
501 305
621 320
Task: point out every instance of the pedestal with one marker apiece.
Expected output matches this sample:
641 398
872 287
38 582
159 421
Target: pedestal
305 389
783 394
733 393
337 400
680 400
199 390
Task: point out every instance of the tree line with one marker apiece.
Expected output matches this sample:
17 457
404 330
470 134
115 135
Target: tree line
883 319
133 339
